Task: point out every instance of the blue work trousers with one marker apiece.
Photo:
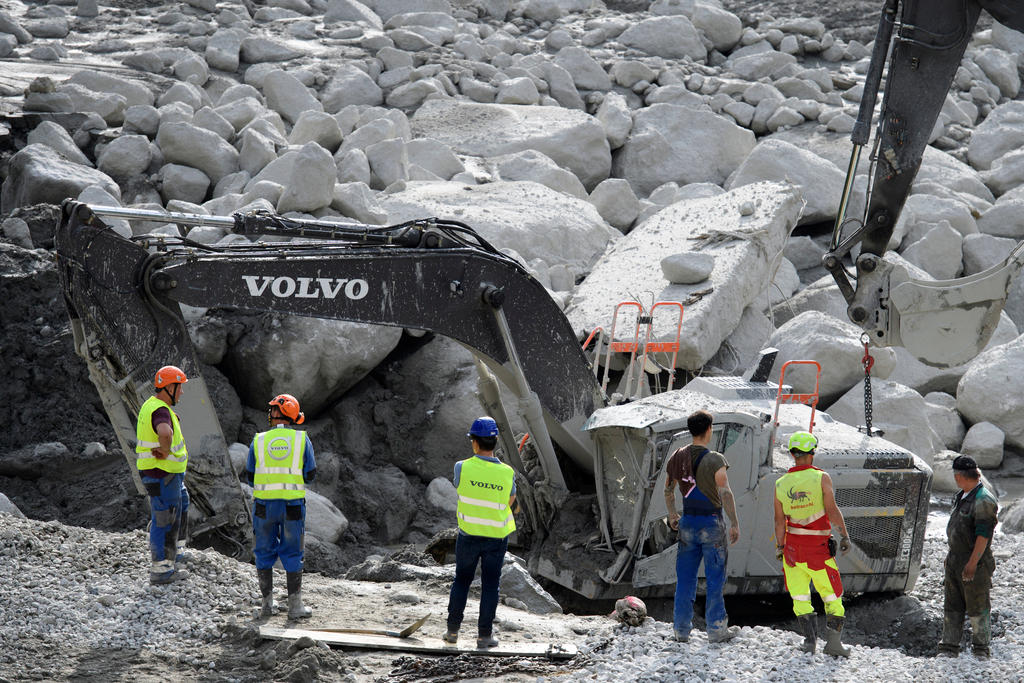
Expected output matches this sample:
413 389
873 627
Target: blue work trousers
701 537
168 519
278 531
490 554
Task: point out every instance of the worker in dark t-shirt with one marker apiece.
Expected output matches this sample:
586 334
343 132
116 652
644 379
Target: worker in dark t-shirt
700 474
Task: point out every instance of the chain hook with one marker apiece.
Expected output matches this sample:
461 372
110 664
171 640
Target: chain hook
868 362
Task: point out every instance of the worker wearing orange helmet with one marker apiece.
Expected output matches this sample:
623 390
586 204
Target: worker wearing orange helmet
279 466
162 458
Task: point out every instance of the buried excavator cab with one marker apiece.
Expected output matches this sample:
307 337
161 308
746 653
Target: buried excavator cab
882 489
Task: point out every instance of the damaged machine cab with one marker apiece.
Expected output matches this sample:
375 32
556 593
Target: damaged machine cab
882 489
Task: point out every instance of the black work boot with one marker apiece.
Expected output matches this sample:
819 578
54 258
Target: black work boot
266 578
833 631
296 610
485 642
952 632
808 625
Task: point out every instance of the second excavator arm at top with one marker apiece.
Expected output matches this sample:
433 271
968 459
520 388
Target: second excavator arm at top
941 322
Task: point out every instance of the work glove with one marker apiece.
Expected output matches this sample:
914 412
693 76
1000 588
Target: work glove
844 545
779 551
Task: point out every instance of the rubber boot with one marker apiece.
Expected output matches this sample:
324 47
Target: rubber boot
833 631
296 610
981 635
266 577
808 624
952 632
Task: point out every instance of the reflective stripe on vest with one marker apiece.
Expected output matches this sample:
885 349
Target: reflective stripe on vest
484 491
147 439
803 502
280 456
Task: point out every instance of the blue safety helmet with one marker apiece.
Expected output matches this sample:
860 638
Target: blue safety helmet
483 426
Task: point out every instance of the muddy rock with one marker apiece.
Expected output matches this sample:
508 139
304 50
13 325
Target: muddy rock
517 583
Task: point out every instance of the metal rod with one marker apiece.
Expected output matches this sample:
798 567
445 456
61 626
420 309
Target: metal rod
165 216
851 173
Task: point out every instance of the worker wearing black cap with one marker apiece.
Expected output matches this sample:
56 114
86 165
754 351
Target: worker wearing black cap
969 563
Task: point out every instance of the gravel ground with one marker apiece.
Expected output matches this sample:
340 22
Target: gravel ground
83 593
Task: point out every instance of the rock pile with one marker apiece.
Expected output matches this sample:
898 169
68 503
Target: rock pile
551 126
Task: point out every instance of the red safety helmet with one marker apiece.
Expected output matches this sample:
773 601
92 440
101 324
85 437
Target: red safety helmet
289 407
169 374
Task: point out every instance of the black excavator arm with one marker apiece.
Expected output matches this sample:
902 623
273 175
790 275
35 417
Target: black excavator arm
123 295
942 323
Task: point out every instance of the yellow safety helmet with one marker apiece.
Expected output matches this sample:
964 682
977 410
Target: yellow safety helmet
805 442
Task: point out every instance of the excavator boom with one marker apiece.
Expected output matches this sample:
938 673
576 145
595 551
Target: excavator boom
942 323
123 297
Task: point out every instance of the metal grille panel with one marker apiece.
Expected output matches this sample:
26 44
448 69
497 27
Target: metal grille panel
872 497
877 537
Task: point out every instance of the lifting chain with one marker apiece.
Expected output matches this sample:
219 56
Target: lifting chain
867 361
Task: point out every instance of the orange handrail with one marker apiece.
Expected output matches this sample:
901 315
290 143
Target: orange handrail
810 399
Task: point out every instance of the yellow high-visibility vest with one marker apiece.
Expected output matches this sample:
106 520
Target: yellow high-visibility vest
802 500
280 455
484 491
146 439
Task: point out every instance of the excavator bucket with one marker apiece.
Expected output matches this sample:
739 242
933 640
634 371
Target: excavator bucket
945 323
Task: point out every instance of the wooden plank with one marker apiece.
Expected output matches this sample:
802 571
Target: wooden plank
434 646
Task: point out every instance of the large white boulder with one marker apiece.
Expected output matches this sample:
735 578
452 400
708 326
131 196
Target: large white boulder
1002 131
833 343
743 230
134 92
538 167
819 181
573 139
38 174
52 135
671 143
350 85
323 518
984 442
940 409
898 410
7 507
441 494
311 183
533 220
183 143
287 95
671 37
125 157
990 390
925 378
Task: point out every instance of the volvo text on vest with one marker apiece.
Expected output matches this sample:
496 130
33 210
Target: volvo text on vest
486 485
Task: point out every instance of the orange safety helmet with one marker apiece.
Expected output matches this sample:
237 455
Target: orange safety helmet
289 407
169 374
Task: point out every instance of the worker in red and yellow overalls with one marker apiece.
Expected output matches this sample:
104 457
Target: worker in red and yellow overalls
805 512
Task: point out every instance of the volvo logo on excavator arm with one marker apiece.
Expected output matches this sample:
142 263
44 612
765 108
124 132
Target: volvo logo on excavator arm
285 287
